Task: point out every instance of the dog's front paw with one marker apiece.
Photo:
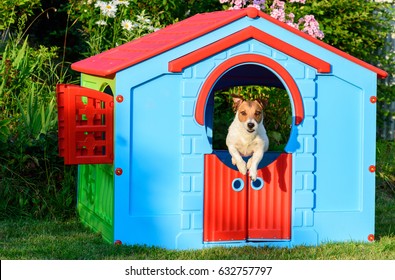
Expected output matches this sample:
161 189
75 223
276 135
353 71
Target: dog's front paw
249 163
234 162
252 174
241 165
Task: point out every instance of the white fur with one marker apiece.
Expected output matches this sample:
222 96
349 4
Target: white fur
240 143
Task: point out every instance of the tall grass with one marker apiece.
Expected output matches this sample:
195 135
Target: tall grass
33 180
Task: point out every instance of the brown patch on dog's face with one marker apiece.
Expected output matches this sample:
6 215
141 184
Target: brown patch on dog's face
249 110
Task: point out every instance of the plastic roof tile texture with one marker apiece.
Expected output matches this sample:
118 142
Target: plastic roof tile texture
136 51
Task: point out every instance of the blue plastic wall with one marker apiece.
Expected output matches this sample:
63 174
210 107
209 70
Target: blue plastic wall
160 147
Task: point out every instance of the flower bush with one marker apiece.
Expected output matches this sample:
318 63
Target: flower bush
278 10
107 24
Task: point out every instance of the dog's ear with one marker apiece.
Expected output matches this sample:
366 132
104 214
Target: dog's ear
262 102
237 100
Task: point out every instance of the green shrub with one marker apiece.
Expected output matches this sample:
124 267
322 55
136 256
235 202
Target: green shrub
358 27
11 10
361 28
385 172
33 180
385 97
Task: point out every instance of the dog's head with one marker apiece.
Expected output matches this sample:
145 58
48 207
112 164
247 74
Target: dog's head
249 113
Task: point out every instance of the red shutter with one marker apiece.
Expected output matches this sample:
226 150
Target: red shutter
86 125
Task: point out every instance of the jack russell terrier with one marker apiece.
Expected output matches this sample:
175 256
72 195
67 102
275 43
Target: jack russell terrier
247 136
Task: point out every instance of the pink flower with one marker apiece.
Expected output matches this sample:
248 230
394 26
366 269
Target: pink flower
311 26
258 4
255 6
292 24
278 14
307 24
290 21
278 4
278 10
238 2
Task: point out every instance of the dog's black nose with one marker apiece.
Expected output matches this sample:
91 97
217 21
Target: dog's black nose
250 125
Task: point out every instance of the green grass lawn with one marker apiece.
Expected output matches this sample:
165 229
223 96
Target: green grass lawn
33 239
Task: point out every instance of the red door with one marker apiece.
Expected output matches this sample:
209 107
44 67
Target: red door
237 209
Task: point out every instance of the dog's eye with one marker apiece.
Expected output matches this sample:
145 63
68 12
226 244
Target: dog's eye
258 113
243 113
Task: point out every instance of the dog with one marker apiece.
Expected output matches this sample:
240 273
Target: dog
247 135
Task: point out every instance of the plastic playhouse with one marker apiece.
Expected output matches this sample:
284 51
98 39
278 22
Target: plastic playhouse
140 128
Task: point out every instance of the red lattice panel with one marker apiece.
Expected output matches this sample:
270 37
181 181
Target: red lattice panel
85 121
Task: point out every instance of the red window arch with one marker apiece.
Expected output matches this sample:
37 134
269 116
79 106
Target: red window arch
240 60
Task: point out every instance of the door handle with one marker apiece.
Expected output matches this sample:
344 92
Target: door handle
238 185
258 184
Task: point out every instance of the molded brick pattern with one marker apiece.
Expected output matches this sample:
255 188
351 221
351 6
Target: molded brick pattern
191 192
305 161
193 147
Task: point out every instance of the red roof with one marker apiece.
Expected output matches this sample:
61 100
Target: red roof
126 55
